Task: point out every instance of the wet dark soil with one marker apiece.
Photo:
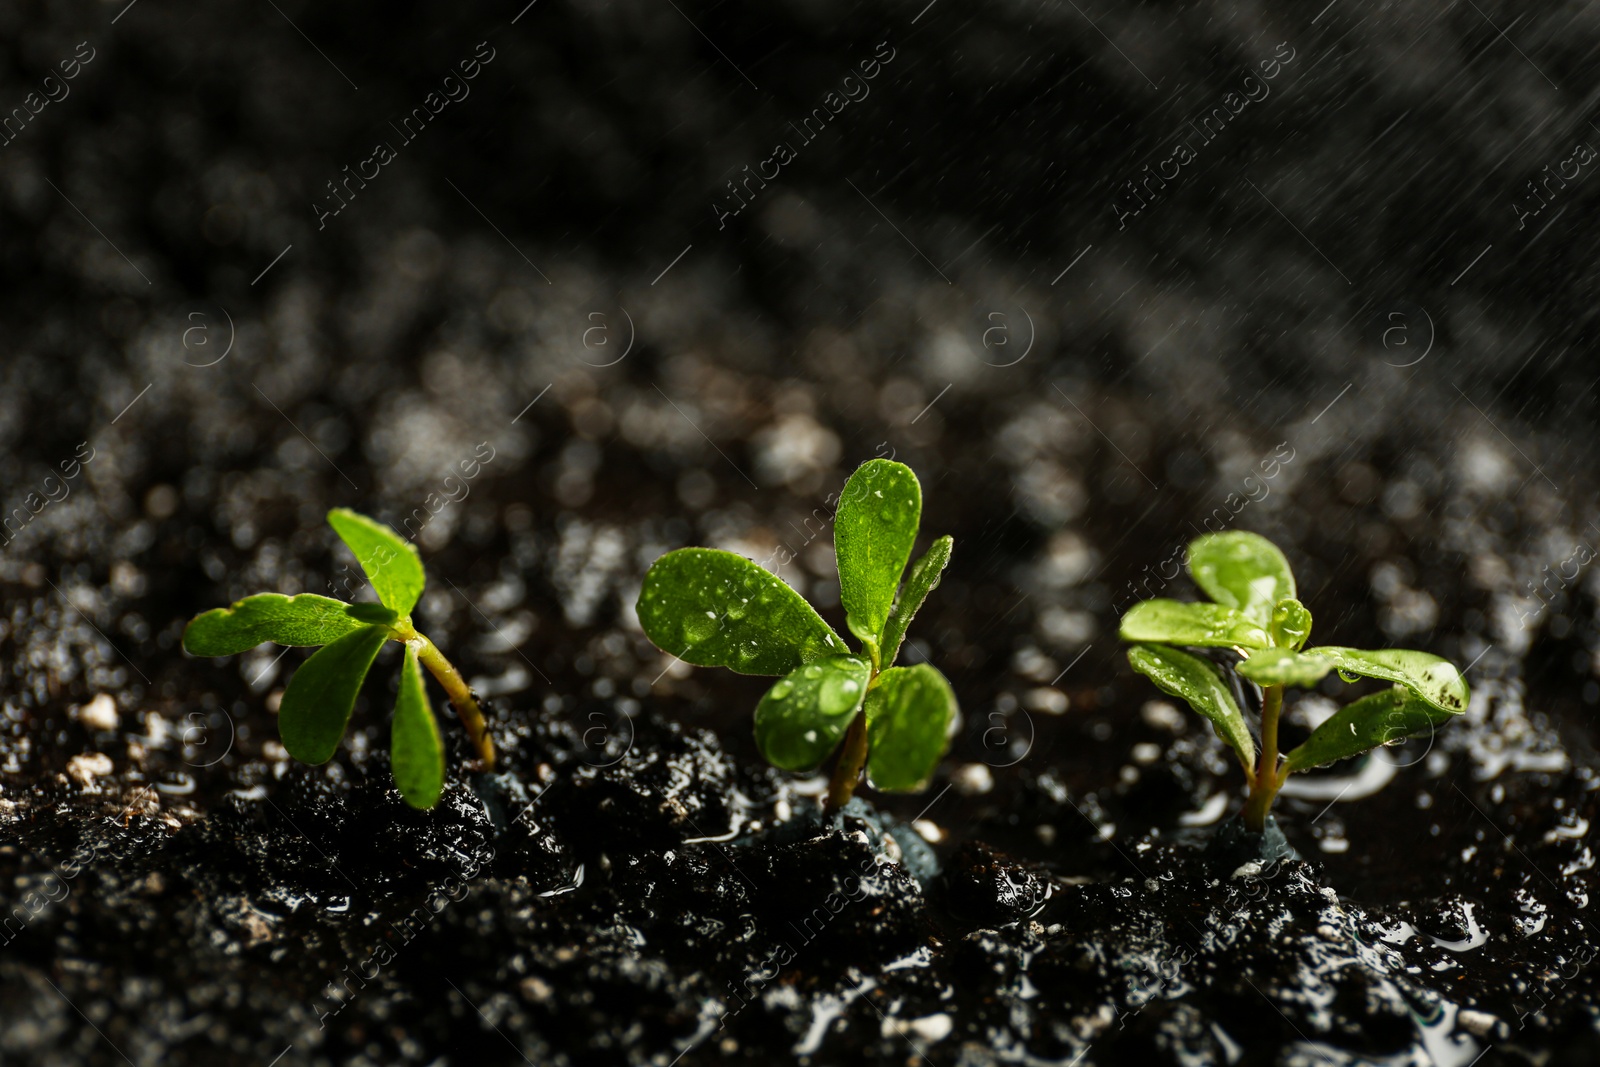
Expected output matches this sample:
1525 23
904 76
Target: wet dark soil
633 886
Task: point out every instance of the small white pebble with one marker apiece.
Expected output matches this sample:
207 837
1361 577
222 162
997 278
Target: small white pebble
100 713
973 779
1247 870
929 830
1145 752
1046 699
891 848
930 1028
86 767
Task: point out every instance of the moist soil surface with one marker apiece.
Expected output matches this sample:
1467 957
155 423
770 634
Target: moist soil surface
633 886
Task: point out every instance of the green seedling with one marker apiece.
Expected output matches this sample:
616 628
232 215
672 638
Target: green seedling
1255 613
716 609
317 703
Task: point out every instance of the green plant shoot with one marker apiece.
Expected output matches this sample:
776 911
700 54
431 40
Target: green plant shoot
716 609
318 701
1255 613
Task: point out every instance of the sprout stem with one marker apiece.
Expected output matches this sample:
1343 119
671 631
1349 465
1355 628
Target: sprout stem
1264 787
848 770
455 688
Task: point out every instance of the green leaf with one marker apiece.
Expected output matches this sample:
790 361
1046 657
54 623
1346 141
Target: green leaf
415 751
803 716
715 609
909 712
391 563
1241 570
1201 684
317 704
1291 623
924 579
1432 678
1172 622
1380 719
873 533
373 613
307 619
1285 666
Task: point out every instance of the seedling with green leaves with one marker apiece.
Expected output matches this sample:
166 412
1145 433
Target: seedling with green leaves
316 705
717 609
1255 613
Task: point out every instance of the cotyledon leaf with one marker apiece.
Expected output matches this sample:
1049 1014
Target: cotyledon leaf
416 753
873 533
317 703
716 609
1200 684
806 712
1434 679
909 714
1241 570
307 619
1380 719
924 579
390 562
1173 622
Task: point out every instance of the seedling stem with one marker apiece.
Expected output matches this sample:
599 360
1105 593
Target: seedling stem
847 772
455 688
1266 782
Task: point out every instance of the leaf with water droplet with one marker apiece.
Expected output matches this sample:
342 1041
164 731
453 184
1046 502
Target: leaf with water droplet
873 534
1243 571
1285 666
1380 719
910 712
1173 622
1291 624
1200 683
804 714
1434 680
684 608
924 579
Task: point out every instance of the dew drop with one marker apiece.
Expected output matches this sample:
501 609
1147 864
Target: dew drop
837 695
782 689
697 628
